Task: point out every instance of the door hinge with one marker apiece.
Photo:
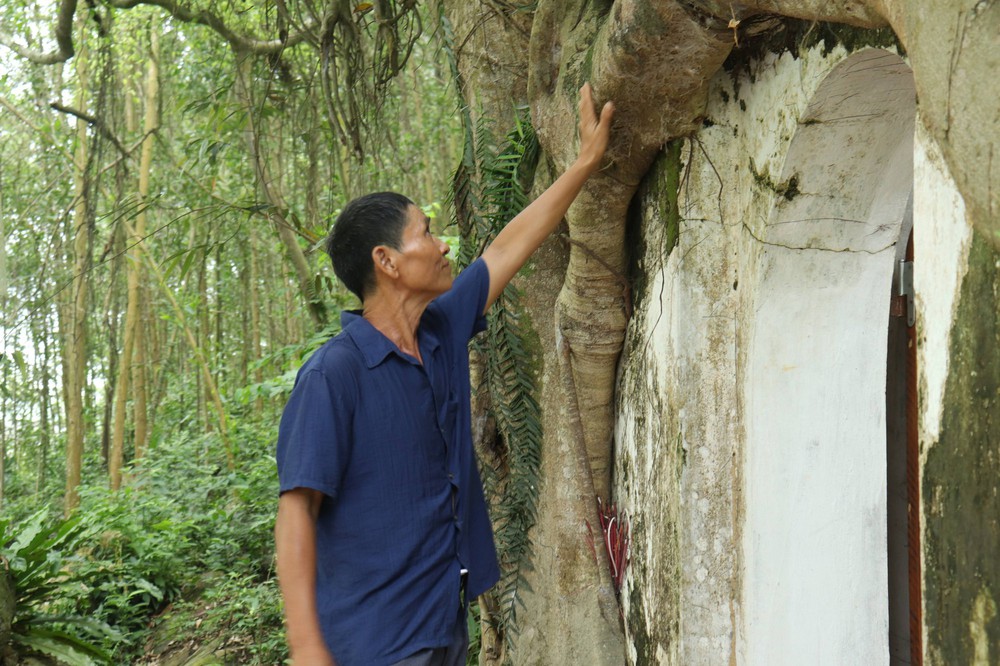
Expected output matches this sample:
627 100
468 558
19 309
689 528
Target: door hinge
905 290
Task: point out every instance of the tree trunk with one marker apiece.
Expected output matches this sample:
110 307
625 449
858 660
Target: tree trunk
112 320
76 332
140 419
44 439
205 373
254 300
341 162
202 338
157 340
579 295
291 331
150 124
435 163
219 342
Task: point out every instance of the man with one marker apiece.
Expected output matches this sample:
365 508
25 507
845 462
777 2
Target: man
382 526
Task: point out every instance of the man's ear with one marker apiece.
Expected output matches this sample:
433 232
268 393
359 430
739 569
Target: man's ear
383 260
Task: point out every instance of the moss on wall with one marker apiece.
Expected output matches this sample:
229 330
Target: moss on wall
657 199
789 189
652 640
671 185
636 622
961 480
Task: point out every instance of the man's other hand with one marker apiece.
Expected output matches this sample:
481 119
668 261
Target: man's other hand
313 655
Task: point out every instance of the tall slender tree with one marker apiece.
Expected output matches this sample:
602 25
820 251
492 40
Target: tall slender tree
75 336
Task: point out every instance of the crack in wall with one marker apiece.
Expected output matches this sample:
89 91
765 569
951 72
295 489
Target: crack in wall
846 250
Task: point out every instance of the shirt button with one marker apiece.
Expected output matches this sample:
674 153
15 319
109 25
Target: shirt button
451 476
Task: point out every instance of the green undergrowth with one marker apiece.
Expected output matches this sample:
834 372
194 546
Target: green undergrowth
178 559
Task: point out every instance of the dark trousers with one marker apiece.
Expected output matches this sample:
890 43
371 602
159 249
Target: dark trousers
453 654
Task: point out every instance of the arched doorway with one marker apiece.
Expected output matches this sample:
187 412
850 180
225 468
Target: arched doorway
816 563
902 460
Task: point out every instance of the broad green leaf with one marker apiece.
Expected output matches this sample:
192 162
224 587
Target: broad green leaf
67 649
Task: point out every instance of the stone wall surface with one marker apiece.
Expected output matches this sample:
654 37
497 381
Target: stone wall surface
751 430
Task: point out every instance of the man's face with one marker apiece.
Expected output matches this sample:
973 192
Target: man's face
421 260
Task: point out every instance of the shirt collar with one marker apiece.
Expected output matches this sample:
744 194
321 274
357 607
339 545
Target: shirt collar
375 347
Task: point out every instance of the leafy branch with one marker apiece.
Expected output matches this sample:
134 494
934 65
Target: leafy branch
361 47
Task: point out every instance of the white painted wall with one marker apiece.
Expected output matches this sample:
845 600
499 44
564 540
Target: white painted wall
815 552
815 538
941 241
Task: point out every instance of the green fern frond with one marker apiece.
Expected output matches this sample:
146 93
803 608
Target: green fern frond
506 174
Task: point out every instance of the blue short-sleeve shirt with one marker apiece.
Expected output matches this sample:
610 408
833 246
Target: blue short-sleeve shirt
389 442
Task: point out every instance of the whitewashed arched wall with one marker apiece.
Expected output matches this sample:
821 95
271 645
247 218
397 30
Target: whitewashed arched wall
814 528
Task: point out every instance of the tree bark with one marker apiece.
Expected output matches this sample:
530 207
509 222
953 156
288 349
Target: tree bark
654 60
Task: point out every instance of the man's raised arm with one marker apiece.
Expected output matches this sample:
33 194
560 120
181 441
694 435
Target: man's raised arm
526 232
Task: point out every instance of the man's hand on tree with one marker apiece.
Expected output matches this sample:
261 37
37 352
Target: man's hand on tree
594 131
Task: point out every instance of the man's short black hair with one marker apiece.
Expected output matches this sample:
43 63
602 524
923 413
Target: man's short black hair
366 222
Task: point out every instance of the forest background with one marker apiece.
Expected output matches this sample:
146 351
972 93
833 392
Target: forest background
163 197
168 169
